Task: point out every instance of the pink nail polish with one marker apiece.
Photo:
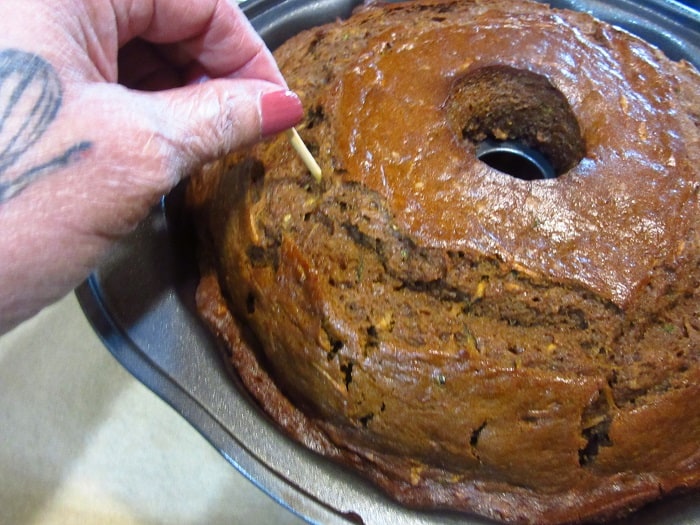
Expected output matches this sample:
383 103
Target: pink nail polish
280 110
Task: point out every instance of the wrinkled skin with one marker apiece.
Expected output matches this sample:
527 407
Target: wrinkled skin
104 106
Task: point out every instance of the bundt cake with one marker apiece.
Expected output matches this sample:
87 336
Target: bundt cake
517 342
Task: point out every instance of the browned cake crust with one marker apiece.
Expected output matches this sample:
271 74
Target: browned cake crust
523 350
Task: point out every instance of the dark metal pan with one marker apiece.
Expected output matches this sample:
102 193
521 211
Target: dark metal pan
141 303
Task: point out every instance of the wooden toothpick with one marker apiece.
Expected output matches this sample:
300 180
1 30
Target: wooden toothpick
304 153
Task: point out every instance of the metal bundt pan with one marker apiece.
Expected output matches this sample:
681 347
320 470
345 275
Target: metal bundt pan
141 303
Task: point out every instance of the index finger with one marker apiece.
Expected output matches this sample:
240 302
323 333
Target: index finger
214 33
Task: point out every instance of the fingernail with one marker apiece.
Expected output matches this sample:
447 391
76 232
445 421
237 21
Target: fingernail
280 110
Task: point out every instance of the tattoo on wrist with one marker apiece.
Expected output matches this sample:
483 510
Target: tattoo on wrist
30 98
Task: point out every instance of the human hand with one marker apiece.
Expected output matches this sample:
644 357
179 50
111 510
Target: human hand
105 105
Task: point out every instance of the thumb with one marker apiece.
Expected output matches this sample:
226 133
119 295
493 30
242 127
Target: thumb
204 121
142 144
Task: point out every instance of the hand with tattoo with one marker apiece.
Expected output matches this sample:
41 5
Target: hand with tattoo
104 106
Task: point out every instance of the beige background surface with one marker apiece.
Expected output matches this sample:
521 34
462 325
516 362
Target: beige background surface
81 441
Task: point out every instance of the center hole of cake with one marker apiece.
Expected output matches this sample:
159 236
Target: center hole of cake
517 122
516 159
